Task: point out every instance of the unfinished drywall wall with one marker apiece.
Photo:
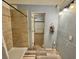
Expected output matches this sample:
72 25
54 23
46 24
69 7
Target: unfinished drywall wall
6 23
19 29
51 16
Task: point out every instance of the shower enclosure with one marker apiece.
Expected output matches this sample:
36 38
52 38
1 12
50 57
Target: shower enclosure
15 27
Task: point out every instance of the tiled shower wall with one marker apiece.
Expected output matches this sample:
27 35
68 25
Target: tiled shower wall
15 28
66 29
7 29
19 29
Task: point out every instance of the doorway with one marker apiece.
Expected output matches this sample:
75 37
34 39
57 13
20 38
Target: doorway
38 24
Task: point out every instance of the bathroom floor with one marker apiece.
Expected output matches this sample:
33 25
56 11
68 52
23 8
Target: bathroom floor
17 53
47 53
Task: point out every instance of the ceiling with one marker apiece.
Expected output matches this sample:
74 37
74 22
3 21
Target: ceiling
60 3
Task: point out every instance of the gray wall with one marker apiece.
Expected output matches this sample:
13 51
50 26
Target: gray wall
50 17
66 28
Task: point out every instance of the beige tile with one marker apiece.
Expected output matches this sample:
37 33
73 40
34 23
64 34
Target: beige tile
6 27
19 29
49 57
28 57
5 11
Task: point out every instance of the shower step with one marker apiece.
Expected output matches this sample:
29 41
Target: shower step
42 54
29 57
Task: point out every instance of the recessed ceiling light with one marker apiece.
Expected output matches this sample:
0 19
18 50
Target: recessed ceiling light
66 9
